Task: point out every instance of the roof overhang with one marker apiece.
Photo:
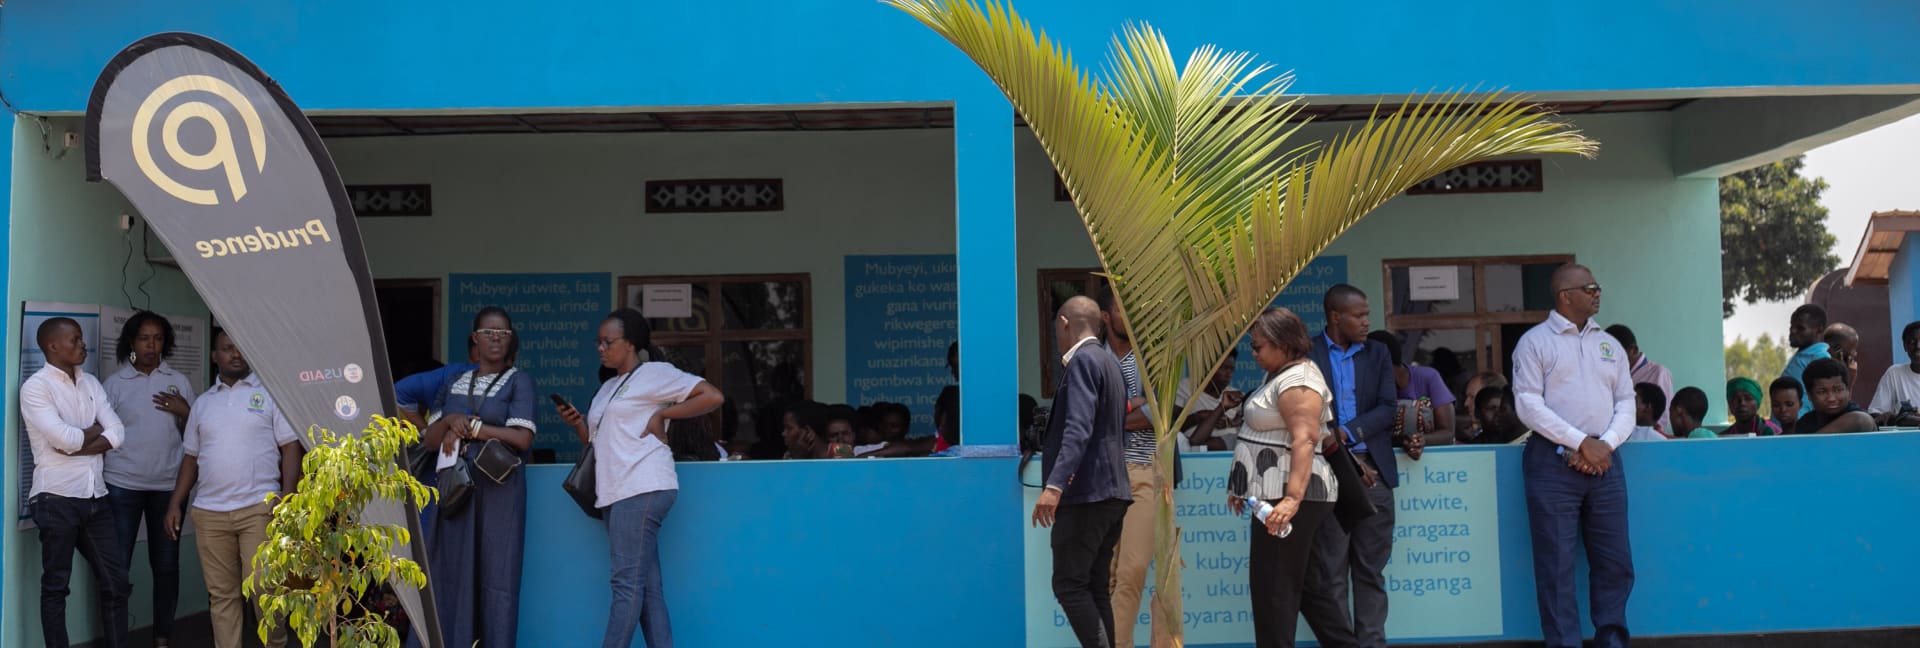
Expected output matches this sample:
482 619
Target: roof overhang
1886 231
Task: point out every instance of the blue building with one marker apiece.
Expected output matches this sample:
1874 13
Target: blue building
799 175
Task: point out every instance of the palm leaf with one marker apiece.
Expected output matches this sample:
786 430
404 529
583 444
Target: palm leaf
1197 207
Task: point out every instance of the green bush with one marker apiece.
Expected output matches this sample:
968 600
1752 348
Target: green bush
321 556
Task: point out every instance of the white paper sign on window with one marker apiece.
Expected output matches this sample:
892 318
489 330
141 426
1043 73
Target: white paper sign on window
667 301
1433 283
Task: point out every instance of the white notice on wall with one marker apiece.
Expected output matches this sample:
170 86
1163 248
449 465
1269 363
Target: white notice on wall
1433 283
667 301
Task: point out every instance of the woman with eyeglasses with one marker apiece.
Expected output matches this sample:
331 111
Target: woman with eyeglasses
1276 461
635 482
484 417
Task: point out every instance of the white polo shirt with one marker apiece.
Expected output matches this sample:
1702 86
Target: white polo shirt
235 433
58 409
626 461
151 457
1571 383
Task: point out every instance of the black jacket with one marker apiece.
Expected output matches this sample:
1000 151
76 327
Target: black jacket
1375 397
1086 437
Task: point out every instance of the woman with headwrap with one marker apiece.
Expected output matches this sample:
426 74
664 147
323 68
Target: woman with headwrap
1743 400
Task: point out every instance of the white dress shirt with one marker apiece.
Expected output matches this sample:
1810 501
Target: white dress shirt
628 462
151 457
1573 383
58 409
235 433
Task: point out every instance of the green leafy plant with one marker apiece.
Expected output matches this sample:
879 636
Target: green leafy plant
1200 209
321 556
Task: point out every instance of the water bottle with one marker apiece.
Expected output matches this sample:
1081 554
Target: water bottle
1262 509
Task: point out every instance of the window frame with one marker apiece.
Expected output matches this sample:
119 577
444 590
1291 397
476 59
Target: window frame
1043 282
717 334
1485 324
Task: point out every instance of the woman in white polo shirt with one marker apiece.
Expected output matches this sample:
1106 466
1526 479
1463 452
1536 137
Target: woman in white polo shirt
634 475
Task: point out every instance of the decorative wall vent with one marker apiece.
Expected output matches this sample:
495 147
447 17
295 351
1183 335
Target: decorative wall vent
1500 176
723 195
391 200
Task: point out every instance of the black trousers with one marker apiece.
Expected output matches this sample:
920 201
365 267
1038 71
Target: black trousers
1350 564
1277 574
1083 539
65 524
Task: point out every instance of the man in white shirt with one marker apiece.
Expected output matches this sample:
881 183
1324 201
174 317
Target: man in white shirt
153 400
1896 403
1575 391
70 423
240 450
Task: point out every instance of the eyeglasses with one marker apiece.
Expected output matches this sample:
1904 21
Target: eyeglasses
1592 289
493 334
608 344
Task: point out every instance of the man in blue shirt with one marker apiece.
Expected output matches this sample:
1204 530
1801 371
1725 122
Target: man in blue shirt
1360 372
414 394
1804 329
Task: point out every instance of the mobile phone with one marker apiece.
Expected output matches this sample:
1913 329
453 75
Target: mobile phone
559 400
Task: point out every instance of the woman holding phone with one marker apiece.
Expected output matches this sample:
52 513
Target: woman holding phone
634 474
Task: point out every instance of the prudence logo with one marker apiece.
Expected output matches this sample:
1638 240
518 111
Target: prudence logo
223 155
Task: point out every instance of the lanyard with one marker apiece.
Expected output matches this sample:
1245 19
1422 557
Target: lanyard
473 403
609 407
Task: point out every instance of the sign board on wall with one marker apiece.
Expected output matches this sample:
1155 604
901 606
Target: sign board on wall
1303 297
666 301
555 318
32 315
1433 283
902 313
1446 556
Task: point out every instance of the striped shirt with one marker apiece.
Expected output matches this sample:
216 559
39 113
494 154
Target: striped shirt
1139 442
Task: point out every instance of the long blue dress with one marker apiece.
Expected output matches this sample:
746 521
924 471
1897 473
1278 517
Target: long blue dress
475 555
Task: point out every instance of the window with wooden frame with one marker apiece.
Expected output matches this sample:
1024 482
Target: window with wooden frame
1464 315
1055 287
749 335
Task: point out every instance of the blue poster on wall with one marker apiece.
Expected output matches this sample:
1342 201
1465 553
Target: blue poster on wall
555 317
1303 297
902 313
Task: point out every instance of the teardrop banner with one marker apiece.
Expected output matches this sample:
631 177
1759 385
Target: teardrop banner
234 180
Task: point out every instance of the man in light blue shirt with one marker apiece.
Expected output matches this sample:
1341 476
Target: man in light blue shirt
1574 388
1804 329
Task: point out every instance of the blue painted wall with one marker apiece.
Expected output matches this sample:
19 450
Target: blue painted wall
1732 535
876 552
498 53
1903 291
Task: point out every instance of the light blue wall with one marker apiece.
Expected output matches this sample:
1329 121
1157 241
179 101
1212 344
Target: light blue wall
1903 291
1729 536
65 244
7 152
497 53
877 552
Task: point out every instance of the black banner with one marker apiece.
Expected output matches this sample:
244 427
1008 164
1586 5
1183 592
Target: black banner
233 179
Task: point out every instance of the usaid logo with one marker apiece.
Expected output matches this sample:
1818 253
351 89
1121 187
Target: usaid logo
352 373
320 375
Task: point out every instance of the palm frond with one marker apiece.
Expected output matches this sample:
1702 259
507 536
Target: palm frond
1200 212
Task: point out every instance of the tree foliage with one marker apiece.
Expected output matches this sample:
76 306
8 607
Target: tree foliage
1774 241
1761 360
321 557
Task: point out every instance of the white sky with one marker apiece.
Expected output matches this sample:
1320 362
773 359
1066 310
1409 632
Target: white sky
1865 173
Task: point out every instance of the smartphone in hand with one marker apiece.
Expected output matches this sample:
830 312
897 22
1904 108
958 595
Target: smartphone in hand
559 400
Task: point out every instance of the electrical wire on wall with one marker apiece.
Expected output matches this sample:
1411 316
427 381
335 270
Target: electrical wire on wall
146 254
126 235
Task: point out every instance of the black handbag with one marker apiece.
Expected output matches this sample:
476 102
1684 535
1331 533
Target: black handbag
496 461
579 483
1352 505
456 486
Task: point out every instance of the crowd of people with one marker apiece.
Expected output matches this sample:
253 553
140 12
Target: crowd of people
1313 454
1315 442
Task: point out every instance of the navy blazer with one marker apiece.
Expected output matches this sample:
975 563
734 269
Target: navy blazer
1374 400
1085 447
